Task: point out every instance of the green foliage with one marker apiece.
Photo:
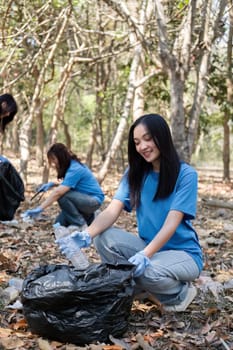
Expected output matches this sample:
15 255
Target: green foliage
217 88
99 39
158 94
210 148
59 4
182 3
210 120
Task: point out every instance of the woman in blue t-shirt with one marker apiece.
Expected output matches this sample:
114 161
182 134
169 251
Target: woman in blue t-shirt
78 193
163 190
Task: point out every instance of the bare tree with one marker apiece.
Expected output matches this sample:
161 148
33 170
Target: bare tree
135 69
212 21
228 114
56 54
176 58
26 126
60 100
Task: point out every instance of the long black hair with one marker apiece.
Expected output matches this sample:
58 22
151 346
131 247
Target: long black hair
139 167
11 108
63 156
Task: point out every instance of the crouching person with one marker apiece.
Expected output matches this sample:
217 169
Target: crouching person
78 194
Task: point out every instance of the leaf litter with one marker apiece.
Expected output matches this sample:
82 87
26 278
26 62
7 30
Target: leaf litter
206 324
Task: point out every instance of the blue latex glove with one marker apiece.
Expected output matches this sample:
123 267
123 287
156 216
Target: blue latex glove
81 239
141 261
45 187
33 213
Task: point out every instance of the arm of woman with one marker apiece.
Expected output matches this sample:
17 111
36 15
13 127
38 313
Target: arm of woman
106 218
54 196
169 227
102 222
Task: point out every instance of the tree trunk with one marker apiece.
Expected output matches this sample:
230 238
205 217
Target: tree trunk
123 121
133 75
177 114
59 108
39 134
139 97
24 137
210 33
96 139
228 111
26 126
176 64
175 58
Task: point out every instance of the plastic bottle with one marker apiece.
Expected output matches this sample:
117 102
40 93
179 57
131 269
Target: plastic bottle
73 228
73 252
77 257
27 219
17 283
9 294
60 231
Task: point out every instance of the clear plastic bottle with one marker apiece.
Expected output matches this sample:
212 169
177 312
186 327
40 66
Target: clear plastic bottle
73 252
17 283
9 294
77 257
60 231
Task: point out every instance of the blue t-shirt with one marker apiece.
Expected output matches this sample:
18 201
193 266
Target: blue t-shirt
79 178
152 214
3 159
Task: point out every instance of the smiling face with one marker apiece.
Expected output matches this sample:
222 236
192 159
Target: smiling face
146 146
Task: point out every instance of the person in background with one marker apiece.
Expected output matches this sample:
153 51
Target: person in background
8 109
163 190
78 194
3 159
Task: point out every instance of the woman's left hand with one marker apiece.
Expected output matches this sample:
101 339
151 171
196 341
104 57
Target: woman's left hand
141 261
45 187
33 213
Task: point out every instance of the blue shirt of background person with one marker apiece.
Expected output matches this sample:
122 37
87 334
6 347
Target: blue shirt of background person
79 178
3 159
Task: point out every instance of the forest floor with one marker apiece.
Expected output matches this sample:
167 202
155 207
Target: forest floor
206 324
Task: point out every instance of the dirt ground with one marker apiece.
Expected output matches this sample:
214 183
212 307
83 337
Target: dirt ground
207 323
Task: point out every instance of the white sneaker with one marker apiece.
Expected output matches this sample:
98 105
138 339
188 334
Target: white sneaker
192 292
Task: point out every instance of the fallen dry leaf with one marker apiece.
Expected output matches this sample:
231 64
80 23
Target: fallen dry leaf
21 324
112 347
11 343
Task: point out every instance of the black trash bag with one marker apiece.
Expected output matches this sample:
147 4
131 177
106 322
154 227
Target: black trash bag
80 307
11 190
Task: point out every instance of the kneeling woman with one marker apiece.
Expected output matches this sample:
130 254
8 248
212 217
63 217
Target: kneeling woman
79 194
163 190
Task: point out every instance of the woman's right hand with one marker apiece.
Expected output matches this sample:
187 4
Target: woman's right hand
82 239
